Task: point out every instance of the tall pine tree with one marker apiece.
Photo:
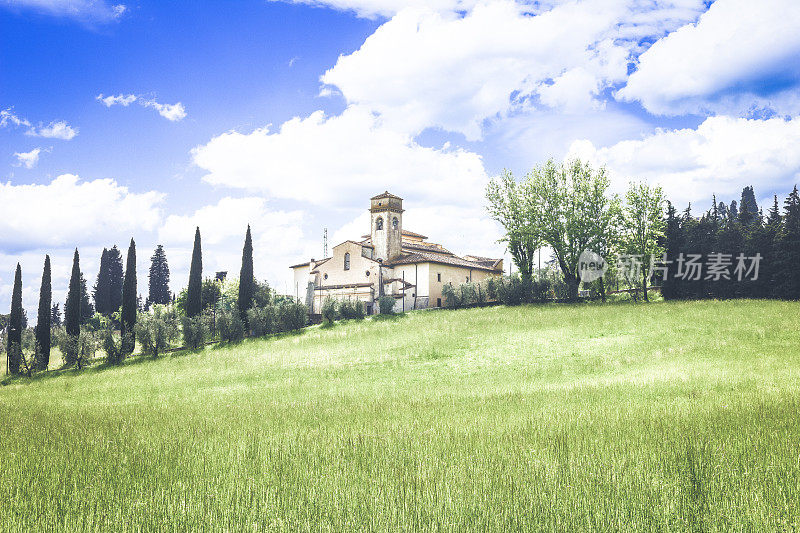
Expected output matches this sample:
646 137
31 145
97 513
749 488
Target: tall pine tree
102 287
789 248
115 279
194 301
129 301
44 320
159 278
72 308
15 324
246 280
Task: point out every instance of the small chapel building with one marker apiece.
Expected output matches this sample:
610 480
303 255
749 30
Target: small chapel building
390 261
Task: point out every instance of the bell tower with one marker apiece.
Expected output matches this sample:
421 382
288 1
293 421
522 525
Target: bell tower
386 217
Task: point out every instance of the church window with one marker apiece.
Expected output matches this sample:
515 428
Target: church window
347 261
379 223
395 223
367 273
325 276
438 277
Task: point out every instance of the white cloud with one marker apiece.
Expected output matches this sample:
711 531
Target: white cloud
28 159
171 112
7 117
67 212
338 161
277 238
55 130
720 157
121 99
87 10
741 56
428 68
385 8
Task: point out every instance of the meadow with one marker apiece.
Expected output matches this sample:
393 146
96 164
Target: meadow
668 416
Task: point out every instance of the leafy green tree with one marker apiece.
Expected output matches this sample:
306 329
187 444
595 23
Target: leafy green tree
15 325
129 300
567 207
72 308
194 302
246 279
644 225
158 293
102 287
508 204
44 318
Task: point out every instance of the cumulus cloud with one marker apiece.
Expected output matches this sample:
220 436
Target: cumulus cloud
85 10
28 159
741 56
453 70
277 238
55 130
719 157
337 161
68 211
171 112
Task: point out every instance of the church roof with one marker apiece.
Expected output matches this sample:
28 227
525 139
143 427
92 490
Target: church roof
385 194
445 259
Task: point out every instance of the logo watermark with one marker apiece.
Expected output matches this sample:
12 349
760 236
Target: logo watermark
591 266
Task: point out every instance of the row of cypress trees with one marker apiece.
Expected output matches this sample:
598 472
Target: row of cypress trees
75 305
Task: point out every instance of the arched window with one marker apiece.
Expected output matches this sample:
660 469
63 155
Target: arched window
347 261
395 223
379 223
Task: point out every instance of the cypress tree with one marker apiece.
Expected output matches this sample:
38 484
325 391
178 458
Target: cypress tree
194 302
129 303
246 280
72 308
15 324
102 287
55 315
159 278
87 309
44 320
115 279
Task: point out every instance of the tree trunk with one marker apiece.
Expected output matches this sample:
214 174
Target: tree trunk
572 285
644 285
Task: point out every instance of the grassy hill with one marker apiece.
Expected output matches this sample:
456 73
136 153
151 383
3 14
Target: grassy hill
635 417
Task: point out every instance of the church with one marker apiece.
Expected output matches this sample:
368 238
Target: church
389 261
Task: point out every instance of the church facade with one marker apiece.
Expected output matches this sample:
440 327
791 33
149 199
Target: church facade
389 261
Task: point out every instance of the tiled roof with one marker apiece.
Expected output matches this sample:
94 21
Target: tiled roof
428 257
426 247
385 194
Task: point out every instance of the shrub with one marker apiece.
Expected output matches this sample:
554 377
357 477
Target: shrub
352 310
98 322
386 305
541 290
451 297
291 316
156 330
230 326
330 310
491 289
78 350
262 320
114 353
468 294
195 331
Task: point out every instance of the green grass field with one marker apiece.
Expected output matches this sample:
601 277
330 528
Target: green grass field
668 416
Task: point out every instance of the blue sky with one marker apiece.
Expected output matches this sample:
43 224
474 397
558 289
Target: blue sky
145 119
